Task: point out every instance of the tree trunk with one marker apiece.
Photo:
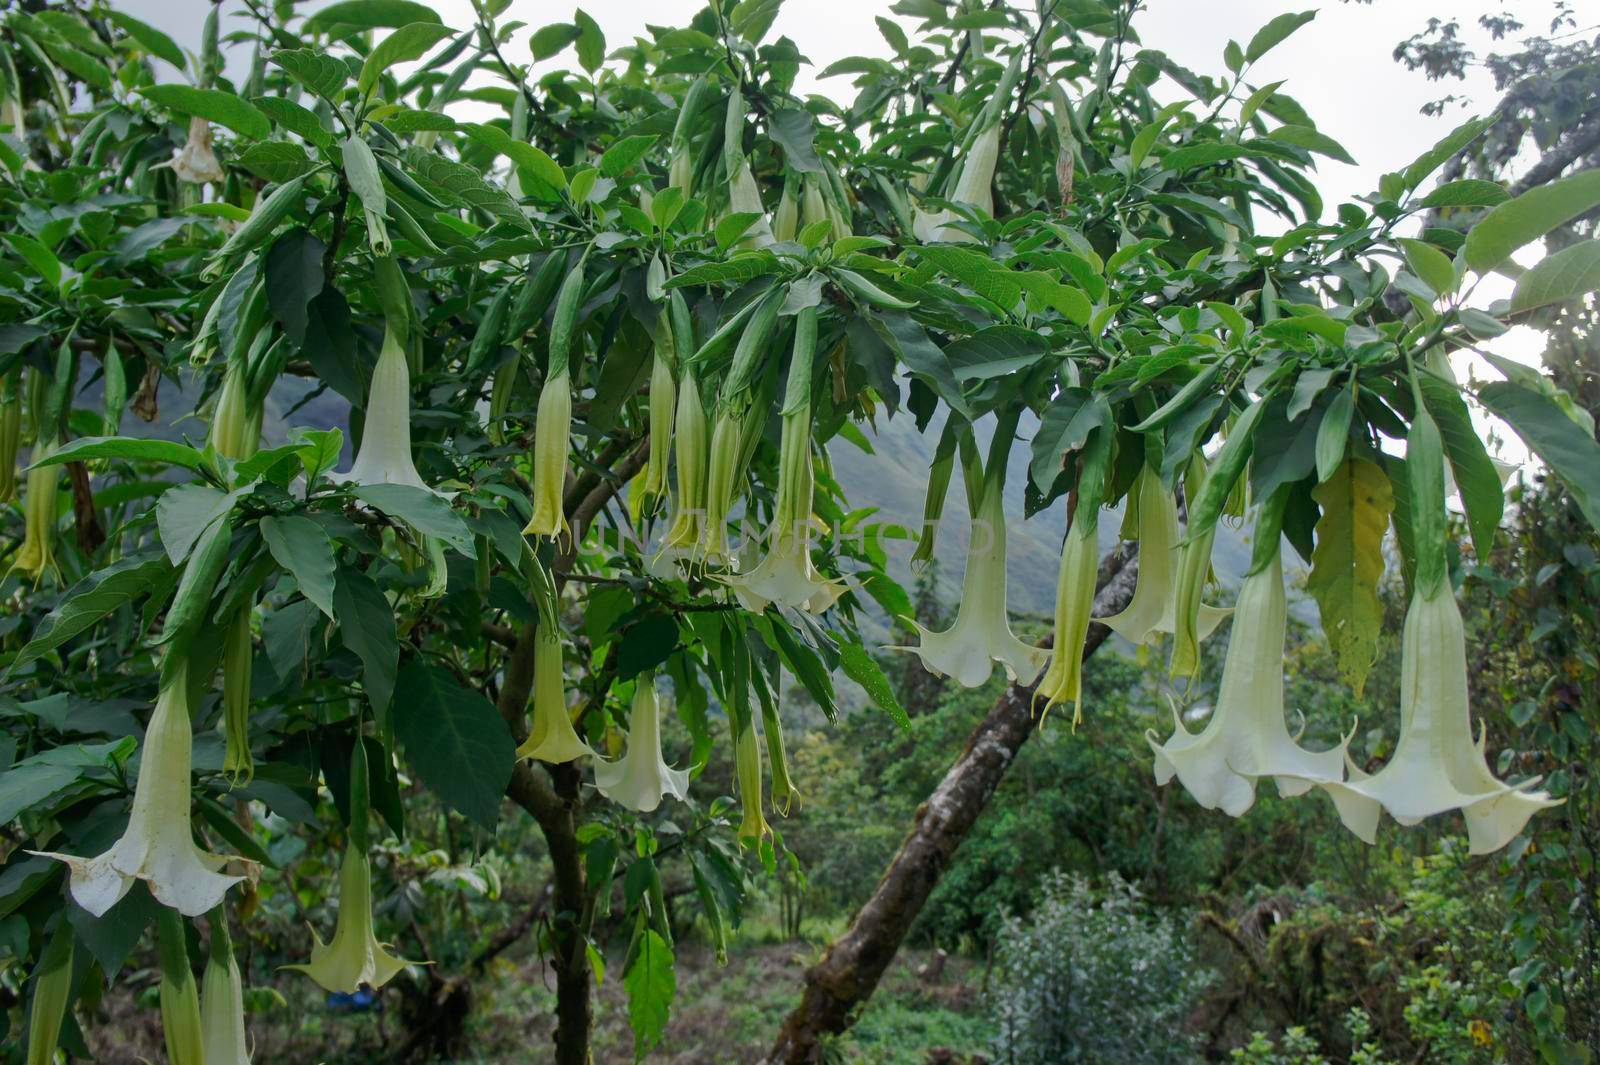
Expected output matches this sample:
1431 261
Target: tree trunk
839 985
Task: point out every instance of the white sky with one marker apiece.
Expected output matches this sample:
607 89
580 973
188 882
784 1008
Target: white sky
1339 67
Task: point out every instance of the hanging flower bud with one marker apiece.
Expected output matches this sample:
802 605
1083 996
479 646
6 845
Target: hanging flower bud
552 738
722 468
744 195
786 219
385 454
37 556
354 957
195 162
1151 611
551 439
236 425
158 846
1247 737
747 768
786 575
10 437
52 990
180 999
553 425
663 407
981 635
689 506
1080 558
641 777
222 1027
238 655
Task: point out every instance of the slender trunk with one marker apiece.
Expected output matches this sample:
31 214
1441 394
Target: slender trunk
839 985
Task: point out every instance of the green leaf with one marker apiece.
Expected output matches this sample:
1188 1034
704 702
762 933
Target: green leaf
1530 216
97 595
293 268
1541 423
455 740
213 105
463 185
150 39
319 450
1275 32
731 227
296 119
134 449
645 643
318 71
1448 146
862 668
1468 192
1566 275
401 46
1071 303
22 786
304 548
366 624
112 936
978 272
1477 481
806 666
1285 449
1312 140
367 15
330 347
526 157
591 42
548 40
1348 562
423 510
186 512
276 161
41 258
1431 265
794 130
624 153
740 268
651 984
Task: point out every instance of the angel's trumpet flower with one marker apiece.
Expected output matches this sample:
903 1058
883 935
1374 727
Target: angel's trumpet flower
722 469
52 990
552 738
973 187
982 632
1437 765
385 455
641 777
747 769
222 1027
354 957
236 425
195 161
1152 609
786 575
37 555
786 217
238 652
1247 737
10 438
158 846
180 999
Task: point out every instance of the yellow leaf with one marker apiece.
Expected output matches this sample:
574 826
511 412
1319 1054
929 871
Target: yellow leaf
1348 561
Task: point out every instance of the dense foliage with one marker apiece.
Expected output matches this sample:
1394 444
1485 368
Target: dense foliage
598 333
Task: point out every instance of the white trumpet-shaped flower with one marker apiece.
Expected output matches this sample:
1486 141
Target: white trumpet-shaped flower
1437 765
1153 606
552 738
385 455
158 846
981 635
222 1029
1247 737
354 957
195 161
641 777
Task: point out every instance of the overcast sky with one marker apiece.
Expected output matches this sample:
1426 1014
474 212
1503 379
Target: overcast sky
1339 67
